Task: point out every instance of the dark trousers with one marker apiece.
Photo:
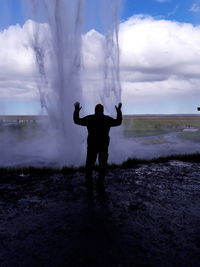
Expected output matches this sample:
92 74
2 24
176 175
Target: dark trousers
95 149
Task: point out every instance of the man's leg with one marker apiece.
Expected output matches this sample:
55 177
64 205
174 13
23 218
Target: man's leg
103 158
90 161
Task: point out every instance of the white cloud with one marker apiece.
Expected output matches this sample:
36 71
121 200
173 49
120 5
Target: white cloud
159 51
16 64
195 8
173 11
160 60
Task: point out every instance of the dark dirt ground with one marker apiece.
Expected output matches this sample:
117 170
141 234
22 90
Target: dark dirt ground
147 216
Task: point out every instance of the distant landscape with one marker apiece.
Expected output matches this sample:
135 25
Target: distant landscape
186 125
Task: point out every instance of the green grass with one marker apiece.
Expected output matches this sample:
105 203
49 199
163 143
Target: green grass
156 141
39 171
191 136
130 163
149 125
133 126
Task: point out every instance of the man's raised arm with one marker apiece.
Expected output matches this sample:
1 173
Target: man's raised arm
77 120
118 120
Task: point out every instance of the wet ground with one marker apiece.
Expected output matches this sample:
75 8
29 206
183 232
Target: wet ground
146 216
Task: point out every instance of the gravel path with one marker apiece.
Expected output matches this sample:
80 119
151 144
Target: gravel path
147 216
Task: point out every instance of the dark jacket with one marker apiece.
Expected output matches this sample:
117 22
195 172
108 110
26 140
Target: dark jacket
98 125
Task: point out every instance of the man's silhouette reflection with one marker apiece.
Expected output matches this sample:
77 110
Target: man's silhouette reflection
98 126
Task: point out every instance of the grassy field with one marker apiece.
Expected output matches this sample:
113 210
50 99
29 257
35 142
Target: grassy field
151 125
133 126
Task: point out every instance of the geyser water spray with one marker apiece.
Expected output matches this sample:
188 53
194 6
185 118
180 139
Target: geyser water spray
56 39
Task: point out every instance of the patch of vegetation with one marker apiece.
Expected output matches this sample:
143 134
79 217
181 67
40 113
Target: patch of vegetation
21 131
191 136
181 157
151 125
130 163
39 171
156 141
143 132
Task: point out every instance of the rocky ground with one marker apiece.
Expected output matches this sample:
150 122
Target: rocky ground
146 216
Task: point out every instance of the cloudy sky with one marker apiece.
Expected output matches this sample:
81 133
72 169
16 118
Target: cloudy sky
159 57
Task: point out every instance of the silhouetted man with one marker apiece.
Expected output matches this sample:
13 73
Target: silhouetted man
98 126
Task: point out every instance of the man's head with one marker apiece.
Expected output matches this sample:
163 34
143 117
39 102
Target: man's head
99 109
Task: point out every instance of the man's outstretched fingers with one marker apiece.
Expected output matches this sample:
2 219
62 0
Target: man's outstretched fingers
77 106
119 106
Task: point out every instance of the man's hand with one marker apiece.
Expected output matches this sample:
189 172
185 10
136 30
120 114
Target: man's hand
77 106
119 107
